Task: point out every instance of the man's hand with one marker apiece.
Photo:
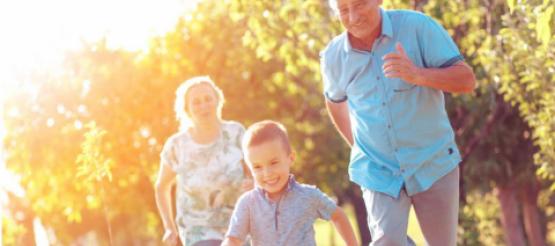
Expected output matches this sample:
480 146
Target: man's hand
399 65
171 237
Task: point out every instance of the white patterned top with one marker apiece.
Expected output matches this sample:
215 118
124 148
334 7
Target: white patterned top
208 178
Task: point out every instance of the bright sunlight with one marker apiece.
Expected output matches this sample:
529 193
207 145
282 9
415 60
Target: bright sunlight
36 33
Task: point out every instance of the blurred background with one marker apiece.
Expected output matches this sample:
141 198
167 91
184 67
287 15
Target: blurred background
87 93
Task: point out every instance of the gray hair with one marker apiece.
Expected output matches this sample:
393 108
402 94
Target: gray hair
180 105
333 7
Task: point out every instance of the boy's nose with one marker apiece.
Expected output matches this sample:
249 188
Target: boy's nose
266 171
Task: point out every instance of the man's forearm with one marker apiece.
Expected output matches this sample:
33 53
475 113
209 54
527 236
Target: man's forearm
457 78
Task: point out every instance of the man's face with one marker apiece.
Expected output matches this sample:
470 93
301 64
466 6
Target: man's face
361 18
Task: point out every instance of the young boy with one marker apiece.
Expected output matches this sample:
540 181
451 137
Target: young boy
279 211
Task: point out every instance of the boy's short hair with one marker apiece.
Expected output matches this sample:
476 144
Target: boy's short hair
265 131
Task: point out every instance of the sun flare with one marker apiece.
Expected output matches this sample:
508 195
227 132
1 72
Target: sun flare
36 33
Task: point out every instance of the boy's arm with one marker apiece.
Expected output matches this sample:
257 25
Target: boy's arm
232 241
239 222
343 227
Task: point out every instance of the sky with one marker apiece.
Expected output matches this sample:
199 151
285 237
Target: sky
35 33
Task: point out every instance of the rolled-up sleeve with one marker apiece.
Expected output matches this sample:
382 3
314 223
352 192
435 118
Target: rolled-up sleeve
332 90
168 156
439 50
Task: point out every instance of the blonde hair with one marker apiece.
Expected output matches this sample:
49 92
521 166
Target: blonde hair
180 105
265 131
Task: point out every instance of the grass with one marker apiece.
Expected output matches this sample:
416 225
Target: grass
327 236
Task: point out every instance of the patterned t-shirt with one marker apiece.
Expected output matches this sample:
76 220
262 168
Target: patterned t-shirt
208 179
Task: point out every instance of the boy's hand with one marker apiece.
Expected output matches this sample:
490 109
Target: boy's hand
171 237
247 184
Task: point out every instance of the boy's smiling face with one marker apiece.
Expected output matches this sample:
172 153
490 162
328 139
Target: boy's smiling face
270 165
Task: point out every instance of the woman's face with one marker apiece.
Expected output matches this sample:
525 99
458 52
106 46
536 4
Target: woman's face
202 104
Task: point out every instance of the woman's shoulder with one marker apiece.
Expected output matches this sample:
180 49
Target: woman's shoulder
233 126
177 137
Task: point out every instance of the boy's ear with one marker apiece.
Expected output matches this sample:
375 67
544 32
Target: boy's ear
293 156
246 169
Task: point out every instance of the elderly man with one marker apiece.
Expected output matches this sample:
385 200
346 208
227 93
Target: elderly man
384 79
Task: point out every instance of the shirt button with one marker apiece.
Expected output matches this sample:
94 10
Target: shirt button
378 77
389 126
383 104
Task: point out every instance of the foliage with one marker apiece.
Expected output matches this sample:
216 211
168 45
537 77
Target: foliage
524 66
479 223
12 231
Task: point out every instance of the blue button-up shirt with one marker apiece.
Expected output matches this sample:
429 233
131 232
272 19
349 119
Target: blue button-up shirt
402 135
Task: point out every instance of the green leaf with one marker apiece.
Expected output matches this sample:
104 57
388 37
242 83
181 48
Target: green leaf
511 4
543 27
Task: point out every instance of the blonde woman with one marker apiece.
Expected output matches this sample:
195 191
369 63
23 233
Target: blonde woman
204 161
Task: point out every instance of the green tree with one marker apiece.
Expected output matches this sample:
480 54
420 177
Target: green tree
523 64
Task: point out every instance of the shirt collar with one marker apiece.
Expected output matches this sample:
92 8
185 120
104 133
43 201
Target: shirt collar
387 30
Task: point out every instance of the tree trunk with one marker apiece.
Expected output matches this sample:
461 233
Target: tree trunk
512 226
532 224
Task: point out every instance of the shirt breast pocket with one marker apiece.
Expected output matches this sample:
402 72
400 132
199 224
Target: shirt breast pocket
400 86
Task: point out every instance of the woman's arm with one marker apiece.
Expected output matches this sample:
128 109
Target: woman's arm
163 187
343 227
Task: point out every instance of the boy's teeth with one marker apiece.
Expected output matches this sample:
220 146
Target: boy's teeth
272 181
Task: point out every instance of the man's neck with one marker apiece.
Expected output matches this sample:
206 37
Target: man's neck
365 43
